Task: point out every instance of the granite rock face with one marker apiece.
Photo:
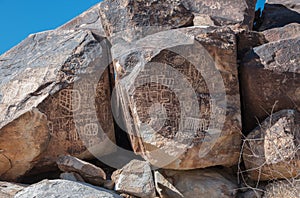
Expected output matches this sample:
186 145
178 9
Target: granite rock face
64 188
278 13
174 106
271 151
135 179
195 183
52 96
270 80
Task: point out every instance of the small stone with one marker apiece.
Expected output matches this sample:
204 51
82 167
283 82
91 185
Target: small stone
71 177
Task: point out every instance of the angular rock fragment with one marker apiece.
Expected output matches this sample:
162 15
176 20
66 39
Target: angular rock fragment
271 151
278 13
90 173
63 76
135 179
270 80
180 97
195 183
64 188
289 31
8 190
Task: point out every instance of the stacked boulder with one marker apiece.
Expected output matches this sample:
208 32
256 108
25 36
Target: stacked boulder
185 79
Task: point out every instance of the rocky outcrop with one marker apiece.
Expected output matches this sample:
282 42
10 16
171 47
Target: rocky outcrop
47 94
271 151
174 106
278 13
90 173
64 188
135 179
270 80
195 183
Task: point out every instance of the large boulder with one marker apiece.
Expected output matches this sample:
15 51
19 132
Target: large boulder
271 151
180 97
64 188
54 99
278 13
276 34
195 183
9 190
270 80
135 179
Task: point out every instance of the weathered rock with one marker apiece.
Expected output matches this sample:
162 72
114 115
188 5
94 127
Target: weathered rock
286 189
195 183
271 151
71 177
22 142
88 20
64 188
55 73
270 80
90 173
135 179
172 87
8 190
278 13
286 32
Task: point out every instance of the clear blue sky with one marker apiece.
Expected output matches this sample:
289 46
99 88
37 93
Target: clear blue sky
21 18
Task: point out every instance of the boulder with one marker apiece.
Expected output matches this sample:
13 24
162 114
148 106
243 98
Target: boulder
64 188
278 13
276 34
179 93
8 190
271 151
49 84
135 179
90 173
194 183
286 189
270 81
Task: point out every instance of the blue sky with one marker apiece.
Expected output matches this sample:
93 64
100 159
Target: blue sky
21 18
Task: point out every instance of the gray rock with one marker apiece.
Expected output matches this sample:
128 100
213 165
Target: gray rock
90 173
64 189
270 80
8 190
71 177
271 151
135 179
195 183
286 189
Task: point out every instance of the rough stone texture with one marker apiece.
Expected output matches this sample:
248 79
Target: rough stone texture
278 13
8 190
55 72
270 80
90 173
286 189
195 183
288 31
225 12
271 151
135 179
64 188
71 177
173 115
22 142
88 20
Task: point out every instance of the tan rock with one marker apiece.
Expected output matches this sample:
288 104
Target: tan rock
271 150
276 34
48 85
135 179
174 102
8 190
90 173
195 183
286 189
